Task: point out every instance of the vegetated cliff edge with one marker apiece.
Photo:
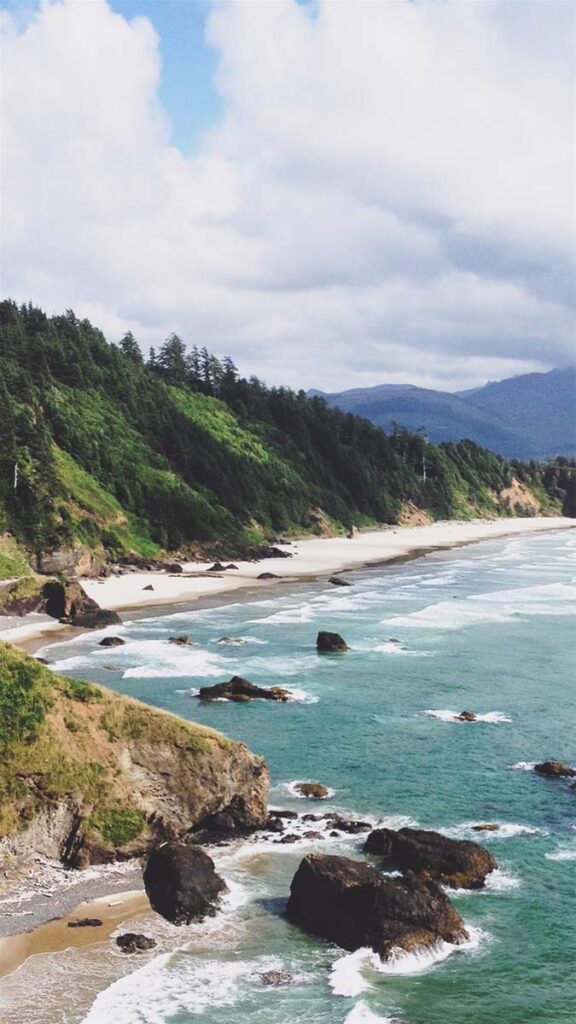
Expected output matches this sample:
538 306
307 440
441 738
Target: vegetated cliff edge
105 455
88 776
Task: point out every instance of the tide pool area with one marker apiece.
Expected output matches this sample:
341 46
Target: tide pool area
488 629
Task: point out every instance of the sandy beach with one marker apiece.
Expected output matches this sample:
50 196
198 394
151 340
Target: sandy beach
309 558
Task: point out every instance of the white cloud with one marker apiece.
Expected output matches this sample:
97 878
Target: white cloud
389 195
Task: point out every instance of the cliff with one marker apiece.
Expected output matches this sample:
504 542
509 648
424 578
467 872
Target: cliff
88 776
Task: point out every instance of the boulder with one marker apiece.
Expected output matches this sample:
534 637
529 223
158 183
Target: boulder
174 567
97 619
466 716
291 815
238 689
350 903
133 942
288 838
112 641
268 576
555 770
312 790
149 587
181 641
329 642
181 883
336 581
351 826
86 922
217 567
459 863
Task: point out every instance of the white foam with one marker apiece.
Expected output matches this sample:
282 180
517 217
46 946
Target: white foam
505 830
498 606
302 697
362 1014
562 854
445 715
497 881
350 974
290 787
165 661
390 647
524 766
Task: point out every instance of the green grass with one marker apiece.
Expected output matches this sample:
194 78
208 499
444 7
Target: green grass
13 561
118 824
217 420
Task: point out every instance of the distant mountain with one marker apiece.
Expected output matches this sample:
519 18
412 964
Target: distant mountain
530 416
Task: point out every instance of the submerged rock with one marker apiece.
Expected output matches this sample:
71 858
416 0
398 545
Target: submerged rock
231 640
352 904
181 641
555 770
86 922
182 884
239 689
112 641
275 978
337 581
459 863
350 825
490 827
329 642
134 942
312 790
466 716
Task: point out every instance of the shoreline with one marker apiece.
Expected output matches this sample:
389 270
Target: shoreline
311 558
48 931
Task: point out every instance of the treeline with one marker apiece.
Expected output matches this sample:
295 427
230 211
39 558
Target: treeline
103 446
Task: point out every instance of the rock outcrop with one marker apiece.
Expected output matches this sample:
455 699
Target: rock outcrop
312 790
102 777
352 904
238 817
240 690
182 884
327 643
555 770
459 863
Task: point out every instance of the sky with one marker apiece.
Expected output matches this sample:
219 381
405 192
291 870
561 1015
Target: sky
336 193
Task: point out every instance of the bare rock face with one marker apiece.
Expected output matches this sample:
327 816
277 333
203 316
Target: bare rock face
555 770
239 816
327 643
79 561
458 863
238 690
181 883
67 602
352 904
312 790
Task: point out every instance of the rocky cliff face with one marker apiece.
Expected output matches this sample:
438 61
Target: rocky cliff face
99 777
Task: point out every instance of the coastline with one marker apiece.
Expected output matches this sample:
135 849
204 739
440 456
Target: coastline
48 928
311 558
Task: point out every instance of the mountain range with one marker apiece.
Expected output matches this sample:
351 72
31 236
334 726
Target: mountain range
526 417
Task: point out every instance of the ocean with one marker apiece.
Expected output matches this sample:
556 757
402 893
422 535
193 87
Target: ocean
487 628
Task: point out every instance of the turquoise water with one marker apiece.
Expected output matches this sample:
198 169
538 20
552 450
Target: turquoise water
489 628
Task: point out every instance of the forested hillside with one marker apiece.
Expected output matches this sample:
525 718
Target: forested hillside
126 456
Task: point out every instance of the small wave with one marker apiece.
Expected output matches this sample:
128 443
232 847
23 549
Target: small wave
298 613
445 715
562 854
497 881
350 975
301 696
524 766
391 647
505 830
362 1014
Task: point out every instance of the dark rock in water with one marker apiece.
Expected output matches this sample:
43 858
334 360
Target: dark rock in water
231 640
312 790
555 770
97 620
149 587
112 641
273 825
312 817
490 827
181 883
348 825
181 641
238 817
275 978
328 642
133 942
350 903
242 689
313 835
291 815
289 838
268 576
86 922
459 863
336 581
466 716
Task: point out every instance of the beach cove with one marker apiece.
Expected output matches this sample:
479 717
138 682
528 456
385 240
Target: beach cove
428 638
